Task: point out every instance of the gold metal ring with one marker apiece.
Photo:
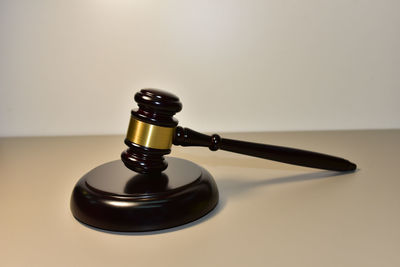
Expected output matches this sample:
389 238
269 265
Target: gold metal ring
148 135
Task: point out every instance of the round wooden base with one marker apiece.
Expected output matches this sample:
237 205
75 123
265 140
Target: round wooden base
112 197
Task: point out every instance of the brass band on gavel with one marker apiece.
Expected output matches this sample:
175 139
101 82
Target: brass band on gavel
148 135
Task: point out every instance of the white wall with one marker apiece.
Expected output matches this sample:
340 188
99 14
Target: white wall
72 67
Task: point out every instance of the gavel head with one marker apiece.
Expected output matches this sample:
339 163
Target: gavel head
151 130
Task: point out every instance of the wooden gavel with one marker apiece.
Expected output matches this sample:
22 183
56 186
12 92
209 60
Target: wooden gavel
153 130
155 197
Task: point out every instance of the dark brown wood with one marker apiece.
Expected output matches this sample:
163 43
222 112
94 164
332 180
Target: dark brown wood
188 137
112 197
156 107
143 159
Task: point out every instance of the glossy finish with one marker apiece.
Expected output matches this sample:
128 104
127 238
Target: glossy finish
143 159
156 107
149 135
112 197
188 137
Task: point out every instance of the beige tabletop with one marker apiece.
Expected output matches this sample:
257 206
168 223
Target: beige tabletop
269 214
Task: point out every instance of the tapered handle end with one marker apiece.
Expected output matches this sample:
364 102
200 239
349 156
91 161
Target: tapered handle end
352 166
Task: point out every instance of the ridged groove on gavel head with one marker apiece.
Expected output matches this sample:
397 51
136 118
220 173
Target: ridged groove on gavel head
156 107
144 160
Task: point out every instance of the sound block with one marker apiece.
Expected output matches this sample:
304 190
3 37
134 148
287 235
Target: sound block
112 197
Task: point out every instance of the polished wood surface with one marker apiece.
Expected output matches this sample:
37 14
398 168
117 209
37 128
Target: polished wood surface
188 137
269 214
112 197
157 107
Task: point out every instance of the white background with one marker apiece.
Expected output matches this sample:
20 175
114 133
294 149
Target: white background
72 67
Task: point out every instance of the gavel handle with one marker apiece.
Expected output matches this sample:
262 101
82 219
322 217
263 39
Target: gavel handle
188 137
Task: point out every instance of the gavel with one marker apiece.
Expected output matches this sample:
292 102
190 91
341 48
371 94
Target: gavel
153 130
145 191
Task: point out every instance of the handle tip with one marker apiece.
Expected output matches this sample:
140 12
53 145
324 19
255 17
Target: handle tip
352 166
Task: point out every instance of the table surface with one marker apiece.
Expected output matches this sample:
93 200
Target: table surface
269 214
